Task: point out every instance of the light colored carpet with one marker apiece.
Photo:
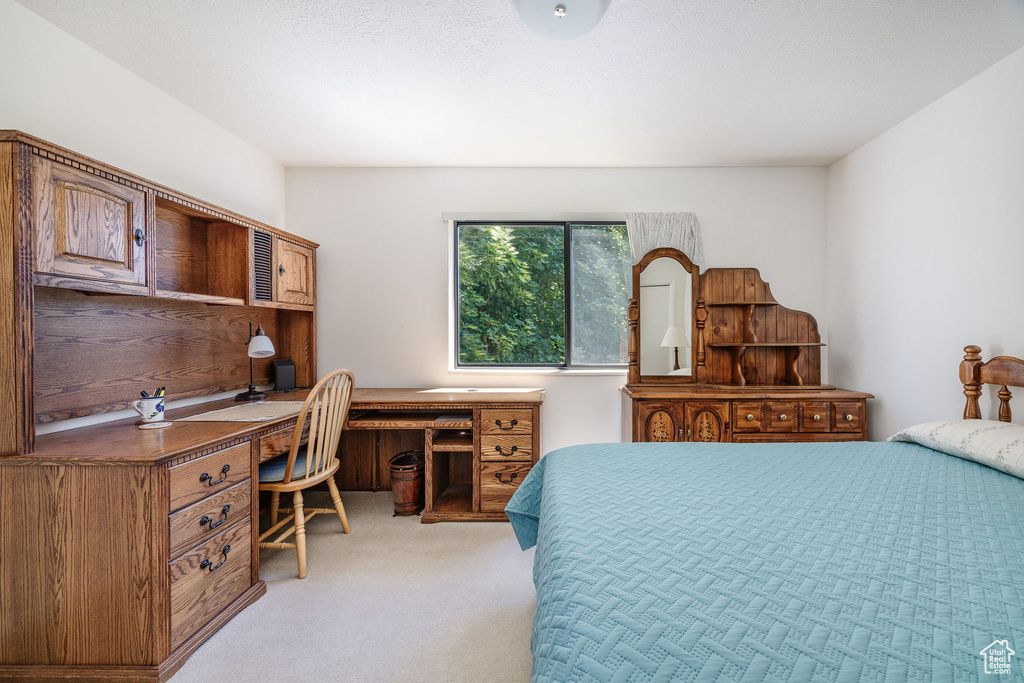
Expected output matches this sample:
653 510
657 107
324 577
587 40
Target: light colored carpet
393 601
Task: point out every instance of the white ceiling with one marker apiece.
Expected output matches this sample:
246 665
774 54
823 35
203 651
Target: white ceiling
464 83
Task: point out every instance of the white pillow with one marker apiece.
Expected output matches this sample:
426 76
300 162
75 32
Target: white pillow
999 445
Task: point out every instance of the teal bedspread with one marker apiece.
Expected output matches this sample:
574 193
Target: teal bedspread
771 562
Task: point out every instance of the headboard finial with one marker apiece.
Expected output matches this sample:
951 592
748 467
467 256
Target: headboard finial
969 377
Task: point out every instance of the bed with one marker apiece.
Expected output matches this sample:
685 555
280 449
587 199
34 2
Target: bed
885 561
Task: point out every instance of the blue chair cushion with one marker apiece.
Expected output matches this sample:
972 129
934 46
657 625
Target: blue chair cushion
273 470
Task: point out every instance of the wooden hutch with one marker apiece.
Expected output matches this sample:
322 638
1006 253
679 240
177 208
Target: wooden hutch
110 285
755 366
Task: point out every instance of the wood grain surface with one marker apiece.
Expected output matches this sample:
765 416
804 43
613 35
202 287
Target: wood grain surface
85 225
498 481
197 593
75 578
96 353
199 478
186 525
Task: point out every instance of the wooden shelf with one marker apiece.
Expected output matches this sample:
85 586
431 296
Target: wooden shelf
763 344
453 443
455 499
201 298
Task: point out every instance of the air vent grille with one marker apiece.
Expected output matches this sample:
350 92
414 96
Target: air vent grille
262 265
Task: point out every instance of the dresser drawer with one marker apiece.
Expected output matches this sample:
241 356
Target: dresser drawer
506 421
506 447
199 478
814 416
847 416
781 416
746 416
197 522
200 591
498 481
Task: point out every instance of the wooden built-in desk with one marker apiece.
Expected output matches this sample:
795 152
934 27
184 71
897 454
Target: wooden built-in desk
479 445
103 540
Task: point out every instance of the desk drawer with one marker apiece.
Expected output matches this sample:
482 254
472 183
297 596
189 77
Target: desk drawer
278 442
506 447
498 481
199 594
199 478
200 521
506 421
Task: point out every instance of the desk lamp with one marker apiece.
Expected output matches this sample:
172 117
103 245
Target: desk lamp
260 346
674 338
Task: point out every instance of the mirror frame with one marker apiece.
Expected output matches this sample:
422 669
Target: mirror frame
696 320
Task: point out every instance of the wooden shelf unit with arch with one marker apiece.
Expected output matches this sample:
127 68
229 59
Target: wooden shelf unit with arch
752 372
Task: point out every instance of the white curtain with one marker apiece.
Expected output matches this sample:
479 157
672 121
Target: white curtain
681 231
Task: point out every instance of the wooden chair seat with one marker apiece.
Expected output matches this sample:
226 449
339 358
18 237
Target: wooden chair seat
325 408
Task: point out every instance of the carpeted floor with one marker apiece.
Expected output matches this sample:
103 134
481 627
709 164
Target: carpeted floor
393 601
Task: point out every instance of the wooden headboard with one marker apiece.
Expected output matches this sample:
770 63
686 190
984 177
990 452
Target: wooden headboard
1002 370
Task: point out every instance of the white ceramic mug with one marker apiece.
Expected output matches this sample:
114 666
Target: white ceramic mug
151 409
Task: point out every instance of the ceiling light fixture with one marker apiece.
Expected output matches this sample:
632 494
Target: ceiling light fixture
564 20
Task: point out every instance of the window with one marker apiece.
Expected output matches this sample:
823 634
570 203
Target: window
541 294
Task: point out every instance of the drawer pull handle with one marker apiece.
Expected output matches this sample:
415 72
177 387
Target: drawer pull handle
511 425
750 417
501 452
207 479
206 564
848 417
783 417
816 417
207 521
511 478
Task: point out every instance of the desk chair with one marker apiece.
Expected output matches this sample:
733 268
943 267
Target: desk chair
303 466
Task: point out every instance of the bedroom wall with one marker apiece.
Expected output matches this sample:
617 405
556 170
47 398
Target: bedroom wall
57 88
383 264
925 238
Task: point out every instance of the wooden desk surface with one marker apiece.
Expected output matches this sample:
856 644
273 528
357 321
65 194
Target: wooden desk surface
363 398
122 442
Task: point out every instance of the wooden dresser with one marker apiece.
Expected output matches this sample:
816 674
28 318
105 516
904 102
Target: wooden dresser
478 446
723 413
125 549
754 369
122 550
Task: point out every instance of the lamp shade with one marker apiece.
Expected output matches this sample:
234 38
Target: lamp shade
675 337
260 345
561 19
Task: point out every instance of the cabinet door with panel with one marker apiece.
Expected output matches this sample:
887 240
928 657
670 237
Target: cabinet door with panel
294 270
659 422
707 421
89 227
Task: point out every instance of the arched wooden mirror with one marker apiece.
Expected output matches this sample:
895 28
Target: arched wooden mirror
661 318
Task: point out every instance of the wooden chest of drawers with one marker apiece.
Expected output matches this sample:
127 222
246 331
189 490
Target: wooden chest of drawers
211 526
